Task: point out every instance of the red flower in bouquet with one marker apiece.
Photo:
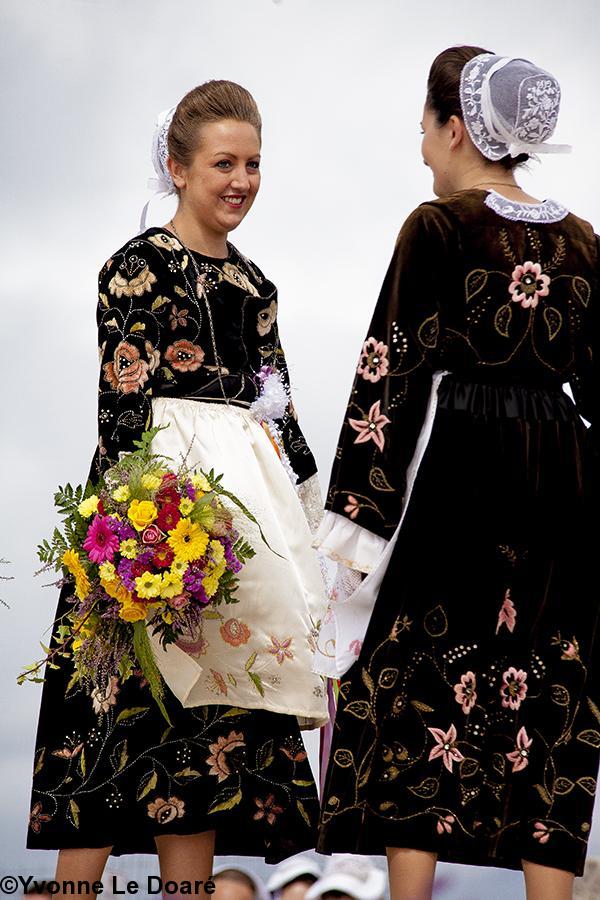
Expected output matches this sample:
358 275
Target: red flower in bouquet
168 516
101 542
163 556
152 535
167 492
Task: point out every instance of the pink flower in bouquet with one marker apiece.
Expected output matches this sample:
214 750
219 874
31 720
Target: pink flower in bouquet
152 535
168 516
180 601
101 543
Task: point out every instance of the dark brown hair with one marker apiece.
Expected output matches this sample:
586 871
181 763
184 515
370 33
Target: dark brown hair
443 91
209 102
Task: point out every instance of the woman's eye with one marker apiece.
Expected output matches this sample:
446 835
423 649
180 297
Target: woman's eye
255 165
223 164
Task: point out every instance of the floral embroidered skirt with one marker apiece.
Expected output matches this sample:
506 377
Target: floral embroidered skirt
469 725
109 771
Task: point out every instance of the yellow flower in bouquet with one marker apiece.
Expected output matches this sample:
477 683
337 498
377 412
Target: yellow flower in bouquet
171 586
211 582
151 482
116 589
84 628
128 548
188 540
71 560
179 567
141 513
218 552
148 585
186 506
107 571
200 482
121 494
88 507
132 612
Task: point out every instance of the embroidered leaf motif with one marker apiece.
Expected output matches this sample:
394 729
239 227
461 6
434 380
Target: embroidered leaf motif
211 614
264 755
368 681
343 758
303 813
138 326
563 786
235 711
112 323
468 767
543 793
300 783
119 756
148 785
429 331
187 773
82 766
553 320
165 734
427 789
358 708
502 320
498 763
388 806
160 301
226 799
594 708
590 736
435 622
250 661
387 677
378 480
179 290
475 282
39 763
167 373
231 679
588 784
559 695
257 682
133 711
582 289
74 810
420 706
103 300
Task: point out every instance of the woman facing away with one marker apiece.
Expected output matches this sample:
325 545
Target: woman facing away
468 725
187 332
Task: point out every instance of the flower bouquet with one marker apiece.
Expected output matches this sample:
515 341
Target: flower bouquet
146 546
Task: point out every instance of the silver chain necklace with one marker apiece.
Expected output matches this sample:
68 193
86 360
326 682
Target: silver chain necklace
208 309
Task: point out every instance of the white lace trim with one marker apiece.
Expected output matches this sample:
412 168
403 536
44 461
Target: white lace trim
548 211
309 493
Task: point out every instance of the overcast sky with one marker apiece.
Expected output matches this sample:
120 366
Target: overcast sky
340 84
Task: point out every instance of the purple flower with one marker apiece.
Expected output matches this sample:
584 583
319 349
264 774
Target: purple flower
125 573
190 490
122 529
193 579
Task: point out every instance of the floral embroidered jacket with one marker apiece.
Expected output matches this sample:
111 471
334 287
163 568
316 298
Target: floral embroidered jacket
158 327
473 292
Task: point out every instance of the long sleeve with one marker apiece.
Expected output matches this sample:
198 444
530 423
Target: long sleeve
585 391
392 386
129 324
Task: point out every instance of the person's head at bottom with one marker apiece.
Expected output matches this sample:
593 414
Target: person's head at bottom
349 877
293 878
237 884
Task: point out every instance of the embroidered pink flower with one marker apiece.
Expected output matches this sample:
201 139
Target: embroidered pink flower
235 632
541 833
267 809
218 759
166 810
352 507
513 688
508 614
569 649
445 746
281 649
373 363
529 284
444 826
355 647
465 693
37 818
104 698
371 427
101 542
519 757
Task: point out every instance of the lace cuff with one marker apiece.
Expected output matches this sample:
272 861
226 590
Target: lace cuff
348 543
309 494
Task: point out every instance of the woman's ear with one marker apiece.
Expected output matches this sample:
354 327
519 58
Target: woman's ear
457 132
177 172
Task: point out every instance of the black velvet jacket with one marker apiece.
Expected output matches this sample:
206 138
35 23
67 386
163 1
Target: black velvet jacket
163 331
478 294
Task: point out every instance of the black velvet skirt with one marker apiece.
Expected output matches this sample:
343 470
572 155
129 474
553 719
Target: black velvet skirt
109 771
470 724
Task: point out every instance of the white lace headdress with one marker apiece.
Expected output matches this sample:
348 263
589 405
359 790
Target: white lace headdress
162 183
509 106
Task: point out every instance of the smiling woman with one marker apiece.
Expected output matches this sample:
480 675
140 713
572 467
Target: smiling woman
188 338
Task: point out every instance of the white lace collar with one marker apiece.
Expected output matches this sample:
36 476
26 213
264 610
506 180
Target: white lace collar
547 211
